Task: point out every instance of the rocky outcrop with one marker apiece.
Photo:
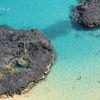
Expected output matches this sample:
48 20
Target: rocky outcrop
88 13
25 57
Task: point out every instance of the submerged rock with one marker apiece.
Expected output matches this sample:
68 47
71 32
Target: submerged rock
88 13
25 57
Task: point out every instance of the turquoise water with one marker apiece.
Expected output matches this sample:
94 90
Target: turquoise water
76 72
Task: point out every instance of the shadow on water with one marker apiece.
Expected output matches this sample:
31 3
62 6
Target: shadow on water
6 26
94 32
80 1
58 29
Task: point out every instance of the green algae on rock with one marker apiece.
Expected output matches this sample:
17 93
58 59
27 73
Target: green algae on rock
25 57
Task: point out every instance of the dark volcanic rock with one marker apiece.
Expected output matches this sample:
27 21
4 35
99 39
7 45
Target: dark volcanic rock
25 57
88 13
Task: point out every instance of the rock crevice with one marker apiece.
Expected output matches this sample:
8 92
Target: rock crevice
25 57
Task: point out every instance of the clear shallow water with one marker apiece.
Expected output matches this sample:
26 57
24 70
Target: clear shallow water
76 73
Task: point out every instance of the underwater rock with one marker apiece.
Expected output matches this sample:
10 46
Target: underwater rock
25 58
88 13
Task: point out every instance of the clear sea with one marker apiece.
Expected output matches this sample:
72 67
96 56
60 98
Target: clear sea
76 72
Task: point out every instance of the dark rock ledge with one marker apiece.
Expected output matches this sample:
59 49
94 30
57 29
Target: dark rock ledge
88 13
25 58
